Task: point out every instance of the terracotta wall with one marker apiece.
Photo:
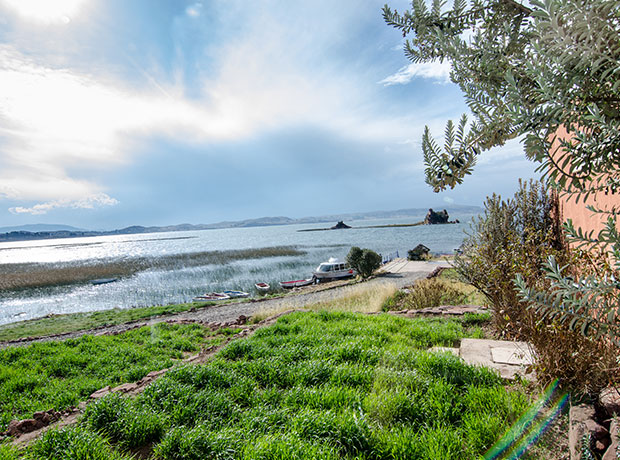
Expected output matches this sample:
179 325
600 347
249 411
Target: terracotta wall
581 216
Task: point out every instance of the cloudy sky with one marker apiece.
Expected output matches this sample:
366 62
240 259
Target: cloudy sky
157 112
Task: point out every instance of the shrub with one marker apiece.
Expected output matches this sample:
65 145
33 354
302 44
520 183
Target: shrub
515 237
364 261
433 292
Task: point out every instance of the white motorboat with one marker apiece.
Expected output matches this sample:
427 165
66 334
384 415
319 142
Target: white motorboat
333 269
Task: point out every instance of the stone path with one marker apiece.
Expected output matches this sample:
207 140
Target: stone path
510 359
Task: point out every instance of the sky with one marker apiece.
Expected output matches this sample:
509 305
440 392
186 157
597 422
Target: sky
159 112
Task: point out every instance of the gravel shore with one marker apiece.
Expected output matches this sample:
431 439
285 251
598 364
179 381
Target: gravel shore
399 273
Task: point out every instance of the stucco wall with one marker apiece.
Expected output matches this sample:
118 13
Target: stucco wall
582 217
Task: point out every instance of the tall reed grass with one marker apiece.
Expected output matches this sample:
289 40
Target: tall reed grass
20 276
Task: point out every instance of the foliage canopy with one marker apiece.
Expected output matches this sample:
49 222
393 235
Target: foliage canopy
530 72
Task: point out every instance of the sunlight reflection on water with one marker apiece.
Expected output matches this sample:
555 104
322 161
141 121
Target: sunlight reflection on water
154 287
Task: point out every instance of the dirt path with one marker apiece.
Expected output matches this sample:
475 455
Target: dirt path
399 273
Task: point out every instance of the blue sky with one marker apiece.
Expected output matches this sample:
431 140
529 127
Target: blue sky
157 112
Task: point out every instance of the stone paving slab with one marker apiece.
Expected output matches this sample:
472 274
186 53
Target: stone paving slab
508 358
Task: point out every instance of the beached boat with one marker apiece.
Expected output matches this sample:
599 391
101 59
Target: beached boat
262 286
103 281
212 296
236 294
333 269
296 283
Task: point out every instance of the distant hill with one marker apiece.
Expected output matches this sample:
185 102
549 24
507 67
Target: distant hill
45 231
41 228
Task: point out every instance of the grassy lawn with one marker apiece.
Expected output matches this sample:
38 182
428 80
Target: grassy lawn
319 385
59 324
57 375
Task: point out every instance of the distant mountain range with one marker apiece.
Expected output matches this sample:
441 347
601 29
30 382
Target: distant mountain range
45 231
40 228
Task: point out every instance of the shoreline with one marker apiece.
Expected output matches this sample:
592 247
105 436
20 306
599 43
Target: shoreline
399 272
356 228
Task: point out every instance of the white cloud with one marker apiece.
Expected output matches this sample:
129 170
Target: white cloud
89 202
439 71
45 11
55 120
448 200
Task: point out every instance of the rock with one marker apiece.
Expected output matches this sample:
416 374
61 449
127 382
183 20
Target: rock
100 393
339 226
612 450
125 388
577 417
17 427
600 446
598 431
610 400
433 217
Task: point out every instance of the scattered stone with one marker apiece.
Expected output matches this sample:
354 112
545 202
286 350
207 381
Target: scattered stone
17 427
125 388
100 393
457 310
434 274
577 417
601 446
241 320
597 430
610 400
612 450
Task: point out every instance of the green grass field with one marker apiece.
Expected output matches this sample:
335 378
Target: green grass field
72 322
57 375
321 385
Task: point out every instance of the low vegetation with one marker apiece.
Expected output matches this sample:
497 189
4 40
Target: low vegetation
314 385
446 289
57 375
72 322
29 275
514 237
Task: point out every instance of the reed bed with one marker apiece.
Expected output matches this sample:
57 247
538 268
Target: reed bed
34 275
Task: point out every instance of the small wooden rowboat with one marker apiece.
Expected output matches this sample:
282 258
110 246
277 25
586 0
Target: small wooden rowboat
211 296
296 283
262 286
236 294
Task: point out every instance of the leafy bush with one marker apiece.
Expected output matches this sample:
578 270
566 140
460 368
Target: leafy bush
515 237
364 261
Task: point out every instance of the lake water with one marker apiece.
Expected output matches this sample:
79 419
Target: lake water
181 284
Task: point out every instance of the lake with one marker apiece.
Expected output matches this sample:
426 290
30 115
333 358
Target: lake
181 283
